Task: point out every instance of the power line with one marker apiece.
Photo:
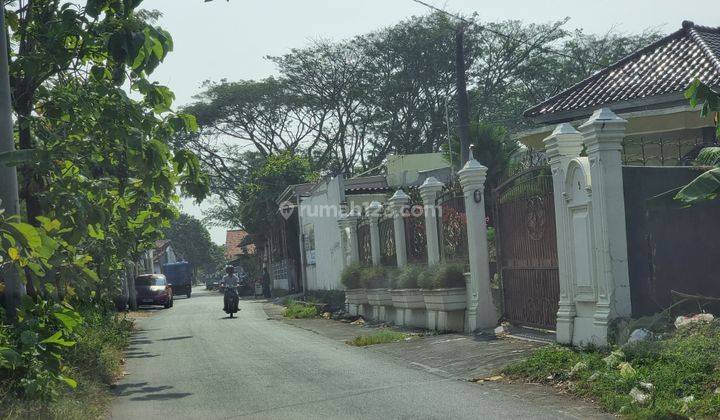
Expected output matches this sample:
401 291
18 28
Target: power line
506 36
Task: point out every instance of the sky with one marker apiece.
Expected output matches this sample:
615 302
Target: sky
230 39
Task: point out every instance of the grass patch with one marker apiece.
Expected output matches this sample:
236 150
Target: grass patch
679 375
297 310
382 336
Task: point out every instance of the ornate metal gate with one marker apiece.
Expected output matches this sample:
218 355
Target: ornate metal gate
527 248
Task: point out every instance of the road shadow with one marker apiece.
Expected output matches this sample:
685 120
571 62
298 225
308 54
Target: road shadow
142 392
139 355
182 337
162 397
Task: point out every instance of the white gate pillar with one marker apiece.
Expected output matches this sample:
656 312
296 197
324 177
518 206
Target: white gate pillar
350 221
399 202
373 213
564 144
343 225
429 191
602 135
480 307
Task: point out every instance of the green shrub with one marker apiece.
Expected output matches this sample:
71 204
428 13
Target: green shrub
407 277
382 336
374 277
426 277
450 275
297 310
443 275
101 340
333 299
350 276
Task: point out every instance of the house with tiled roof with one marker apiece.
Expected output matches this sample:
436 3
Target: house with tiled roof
162 254
236 244
304 249
647 89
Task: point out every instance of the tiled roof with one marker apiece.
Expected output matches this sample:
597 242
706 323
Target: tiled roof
666 66
233 248
161 246
366 183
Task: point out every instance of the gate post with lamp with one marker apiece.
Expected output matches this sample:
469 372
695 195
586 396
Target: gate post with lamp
480 308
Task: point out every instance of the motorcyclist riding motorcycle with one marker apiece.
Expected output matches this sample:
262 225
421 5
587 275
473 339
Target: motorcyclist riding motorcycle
231 297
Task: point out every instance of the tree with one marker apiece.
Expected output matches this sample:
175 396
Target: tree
707 185
9 200
93 159
191 239
251 201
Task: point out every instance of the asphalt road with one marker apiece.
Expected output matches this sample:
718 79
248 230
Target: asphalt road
192 362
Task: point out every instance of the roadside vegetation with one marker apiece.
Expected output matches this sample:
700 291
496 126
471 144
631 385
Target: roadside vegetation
674 376
383 336
65 376
299 310
99 175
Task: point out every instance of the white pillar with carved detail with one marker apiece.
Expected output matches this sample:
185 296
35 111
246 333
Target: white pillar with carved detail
399 202
373 213
429 191
481 311
602 135
564 144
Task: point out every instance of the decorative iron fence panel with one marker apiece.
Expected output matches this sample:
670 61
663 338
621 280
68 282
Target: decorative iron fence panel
387 242
527 248
415 237
452 225
364 244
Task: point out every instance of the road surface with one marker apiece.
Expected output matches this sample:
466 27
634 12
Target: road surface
192 362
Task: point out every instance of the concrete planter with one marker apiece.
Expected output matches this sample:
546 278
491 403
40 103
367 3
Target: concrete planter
380 301
407 298
409 307
379 297
356 296
445 308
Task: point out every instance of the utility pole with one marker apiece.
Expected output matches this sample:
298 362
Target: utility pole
462 96
8 174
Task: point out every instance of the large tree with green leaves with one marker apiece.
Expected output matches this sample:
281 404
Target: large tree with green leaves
93 158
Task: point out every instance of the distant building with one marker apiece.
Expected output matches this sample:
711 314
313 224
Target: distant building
305 251
163 254
236 244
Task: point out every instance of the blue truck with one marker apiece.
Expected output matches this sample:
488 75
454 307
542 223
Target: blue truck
179 276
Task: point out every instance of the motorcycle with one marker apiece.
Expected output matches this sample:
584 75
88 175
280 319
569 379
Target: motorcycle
231 300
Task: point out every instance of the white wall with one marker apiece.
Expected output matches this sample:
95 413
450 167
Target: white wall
320 211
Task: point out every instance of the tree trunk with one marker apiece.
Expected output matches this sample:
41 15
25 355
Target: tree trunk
132 296
8 174
462 96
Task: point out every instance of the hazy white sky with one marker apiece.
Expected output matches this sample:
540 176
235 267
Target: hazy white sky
230 39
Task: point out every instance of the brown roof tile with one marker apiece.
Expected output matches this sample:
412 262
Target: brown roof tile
667 66
233 248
